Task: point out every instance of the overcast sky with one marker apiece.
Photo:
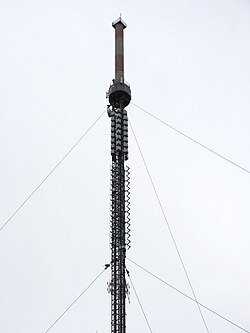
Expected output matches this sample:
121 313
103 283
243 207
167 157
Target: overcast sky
187 63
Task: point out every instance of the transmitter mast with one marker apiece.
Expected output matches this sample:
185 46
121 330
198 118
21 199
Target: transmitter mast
119 96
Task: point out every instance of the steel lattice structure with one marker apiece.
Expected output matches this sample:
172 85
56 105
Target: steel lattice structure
119 95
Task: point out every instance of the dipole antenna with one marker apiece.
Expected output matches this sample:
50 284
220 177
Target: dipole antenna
119 96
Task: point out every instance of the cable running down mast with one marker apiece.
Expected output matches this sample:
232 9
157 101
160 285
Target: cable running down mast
119 95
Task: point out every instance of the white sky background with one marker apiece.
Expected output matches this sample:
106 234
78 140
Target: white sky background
188 63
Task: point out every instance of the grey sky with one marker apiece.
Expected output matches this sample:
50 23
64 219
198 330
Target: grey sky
188 63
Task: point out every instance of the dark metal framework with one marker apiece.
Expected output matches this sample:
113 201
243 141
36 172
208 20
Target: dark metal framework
119 95
119 218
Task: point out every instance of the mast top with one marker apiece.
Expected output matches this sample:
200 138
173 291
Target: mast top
119 20
119 92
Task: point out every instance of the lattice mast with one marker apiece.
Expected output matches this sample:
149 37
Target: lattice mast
119 95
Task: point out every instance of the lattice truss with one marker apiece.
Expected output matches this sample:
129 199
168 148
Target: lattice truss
119 217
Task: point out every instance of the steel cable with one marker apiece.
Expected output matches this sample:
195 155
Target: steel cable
140 304
49 174
192 299
70 306
191 139
169 228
